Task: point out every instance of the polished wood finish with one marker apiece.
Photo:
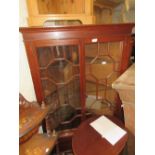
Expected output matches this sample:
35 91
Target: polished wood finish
39 144
108 31
88 142
30 116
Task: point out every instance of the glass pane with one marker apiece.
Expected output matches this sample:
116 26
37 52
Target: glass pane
60 6
45 55
63 113
90 52
102 68
49 87
52 22
59 71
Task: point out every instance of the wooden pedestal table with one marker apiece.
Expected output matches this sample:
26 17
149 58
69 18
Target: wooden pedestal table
87 141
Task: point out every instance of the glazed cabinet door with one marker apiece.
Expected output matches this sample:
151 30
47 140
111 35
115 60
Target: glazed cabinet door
103 65
57 64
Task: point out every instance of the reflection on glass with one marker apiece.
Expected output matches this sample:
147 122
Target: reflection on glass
50 23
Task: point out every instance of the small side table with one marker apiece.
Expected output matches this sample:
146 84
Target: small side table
87 141
30 117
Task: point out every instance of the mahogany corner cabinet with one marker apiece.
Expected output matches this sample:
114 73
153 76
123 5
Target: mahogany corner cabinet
73 68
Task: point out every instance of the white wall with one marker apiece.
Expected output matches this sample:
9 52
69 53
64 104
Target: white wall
25 81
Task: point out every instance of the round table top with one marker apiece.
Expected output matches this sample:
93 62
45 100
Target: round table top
86 141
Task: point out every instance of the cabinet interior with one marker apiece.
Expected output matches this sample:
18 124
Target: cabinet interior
59 73
102 62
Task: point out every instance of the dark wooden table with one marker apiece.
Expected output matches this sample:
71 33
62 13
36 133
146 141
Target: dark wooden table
30 117
87 141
